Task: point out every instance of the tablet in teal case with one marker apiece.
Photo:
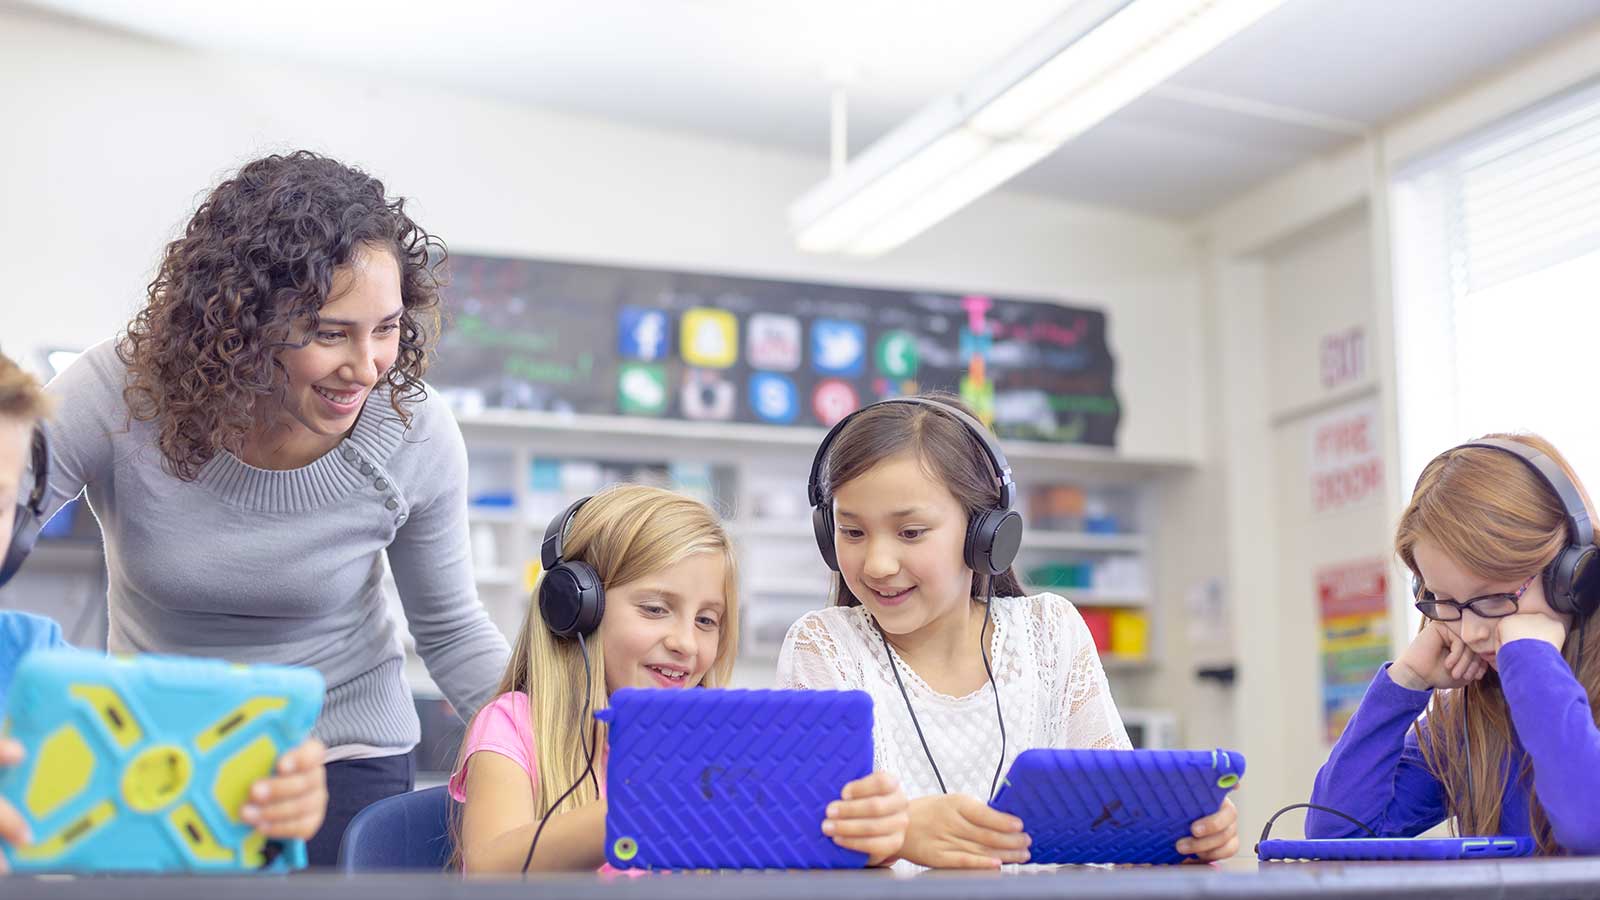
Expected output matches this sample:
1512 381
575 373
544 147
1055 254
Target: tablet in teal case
731 779
143 763
1114 806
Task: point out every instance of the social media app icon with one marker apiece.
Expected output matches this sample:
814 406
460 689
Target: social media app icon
710 338
641 333
707 395
641 389
772 342
832 400
774 398
896 355
838 347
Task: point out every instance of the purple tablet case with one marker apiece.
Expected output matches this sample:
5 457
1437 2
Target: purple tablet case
726 779
1114 806
1396 848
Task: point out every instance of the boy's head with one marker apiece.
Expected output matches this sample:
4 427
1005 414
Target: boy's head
22 405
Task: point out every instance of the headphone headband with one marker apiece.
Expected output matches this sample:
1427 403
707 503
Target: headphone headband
991 449
555 534
1555 478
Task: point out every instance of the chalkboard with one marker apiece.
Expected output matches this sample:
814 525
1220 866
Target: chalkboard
609 340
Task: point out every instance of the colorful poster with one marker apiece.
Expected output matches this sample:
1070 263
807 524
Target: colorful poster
1353 610
607 340
1346 458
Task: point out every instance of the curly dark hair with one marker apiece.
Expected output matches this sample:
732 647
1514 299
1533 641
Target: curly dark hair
257 256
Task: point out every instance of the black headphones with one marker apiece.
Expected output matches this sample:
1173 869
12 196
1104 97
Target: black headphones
24 529
1568 586
993 535
571 597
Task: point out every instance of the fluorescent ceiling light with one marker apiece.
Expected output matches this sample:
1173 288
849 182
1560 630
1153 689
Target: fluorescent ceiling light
1095 59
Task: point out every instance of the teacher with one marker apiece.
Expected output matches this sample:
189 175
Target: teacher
259 441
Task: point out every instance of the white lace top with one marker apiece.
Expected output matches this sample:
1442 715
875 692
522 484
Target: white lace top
1053 692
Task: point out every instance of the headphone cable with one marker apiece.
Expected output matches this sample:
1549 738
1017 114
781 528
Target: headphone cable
983 650
588 762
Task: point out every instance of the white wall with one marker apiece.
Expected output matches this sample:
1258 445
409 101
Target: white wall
1304 255
113 139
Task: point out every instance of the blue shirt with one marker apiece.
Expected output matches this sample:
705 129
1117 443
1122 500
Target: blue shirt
21 632
1376 771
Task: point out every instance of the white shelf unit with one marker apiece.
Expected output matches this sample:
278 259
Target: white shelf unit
782 575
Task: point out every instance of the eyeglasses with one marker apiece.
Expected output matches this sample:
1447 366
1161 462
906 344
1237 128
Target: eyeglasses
1489 606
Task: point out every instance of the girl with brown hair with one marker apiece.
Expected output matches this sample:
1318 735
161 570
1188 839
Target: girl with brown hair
911 517
1500 541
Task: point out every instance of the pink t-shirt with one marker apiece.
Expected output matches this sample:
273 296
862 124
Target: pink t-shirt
505 727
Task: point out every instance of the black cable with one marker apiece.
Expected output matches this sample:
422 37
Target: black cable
588 762
983 650
893 667
1266 830
1466 742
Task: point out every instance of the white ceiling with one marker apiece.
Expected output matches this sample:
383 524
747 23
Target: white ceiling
753 70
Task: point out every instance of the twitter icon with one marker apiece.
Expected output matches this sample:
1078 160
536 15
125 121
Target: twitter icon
838 347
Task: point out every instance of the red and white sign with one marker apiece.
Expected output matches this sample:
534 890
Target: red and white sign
1352 599
1344 357
1346 458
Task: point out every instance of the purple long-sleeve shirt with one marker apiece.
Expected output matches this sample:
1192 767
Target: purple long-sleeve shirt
1377 775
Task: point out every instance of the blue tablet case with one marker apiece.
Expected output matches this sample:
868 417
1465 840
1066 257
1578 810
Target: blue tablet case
727 779
142 763
1114 806
1396 848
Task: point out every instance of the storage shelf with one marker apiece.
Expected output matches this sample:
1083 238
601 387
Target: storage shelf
1042 539
794 529
789 587
1098 599
737 435
498 576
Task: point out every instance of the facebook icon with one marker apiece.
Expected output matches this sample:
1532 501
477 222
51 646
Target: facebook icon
641 333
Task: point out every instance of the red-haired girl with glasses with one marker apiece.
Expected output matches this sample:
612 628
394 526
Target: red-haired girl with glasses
1488 716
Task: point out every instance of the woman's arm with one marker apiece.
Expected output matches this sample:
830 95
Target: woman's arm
432 566
89 408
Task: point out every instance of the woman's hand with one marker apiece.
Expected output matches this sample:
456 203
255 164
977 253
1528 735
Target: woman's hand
291 804
13 830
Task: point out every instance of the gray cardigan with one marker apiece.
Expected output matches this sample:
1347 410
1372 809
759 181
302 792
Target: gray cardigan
258 566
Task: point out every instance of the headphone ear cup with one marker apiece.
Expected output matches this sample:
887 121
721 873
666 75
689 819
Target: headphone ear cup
571 599
993 538
20 544
822 526
1569 585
